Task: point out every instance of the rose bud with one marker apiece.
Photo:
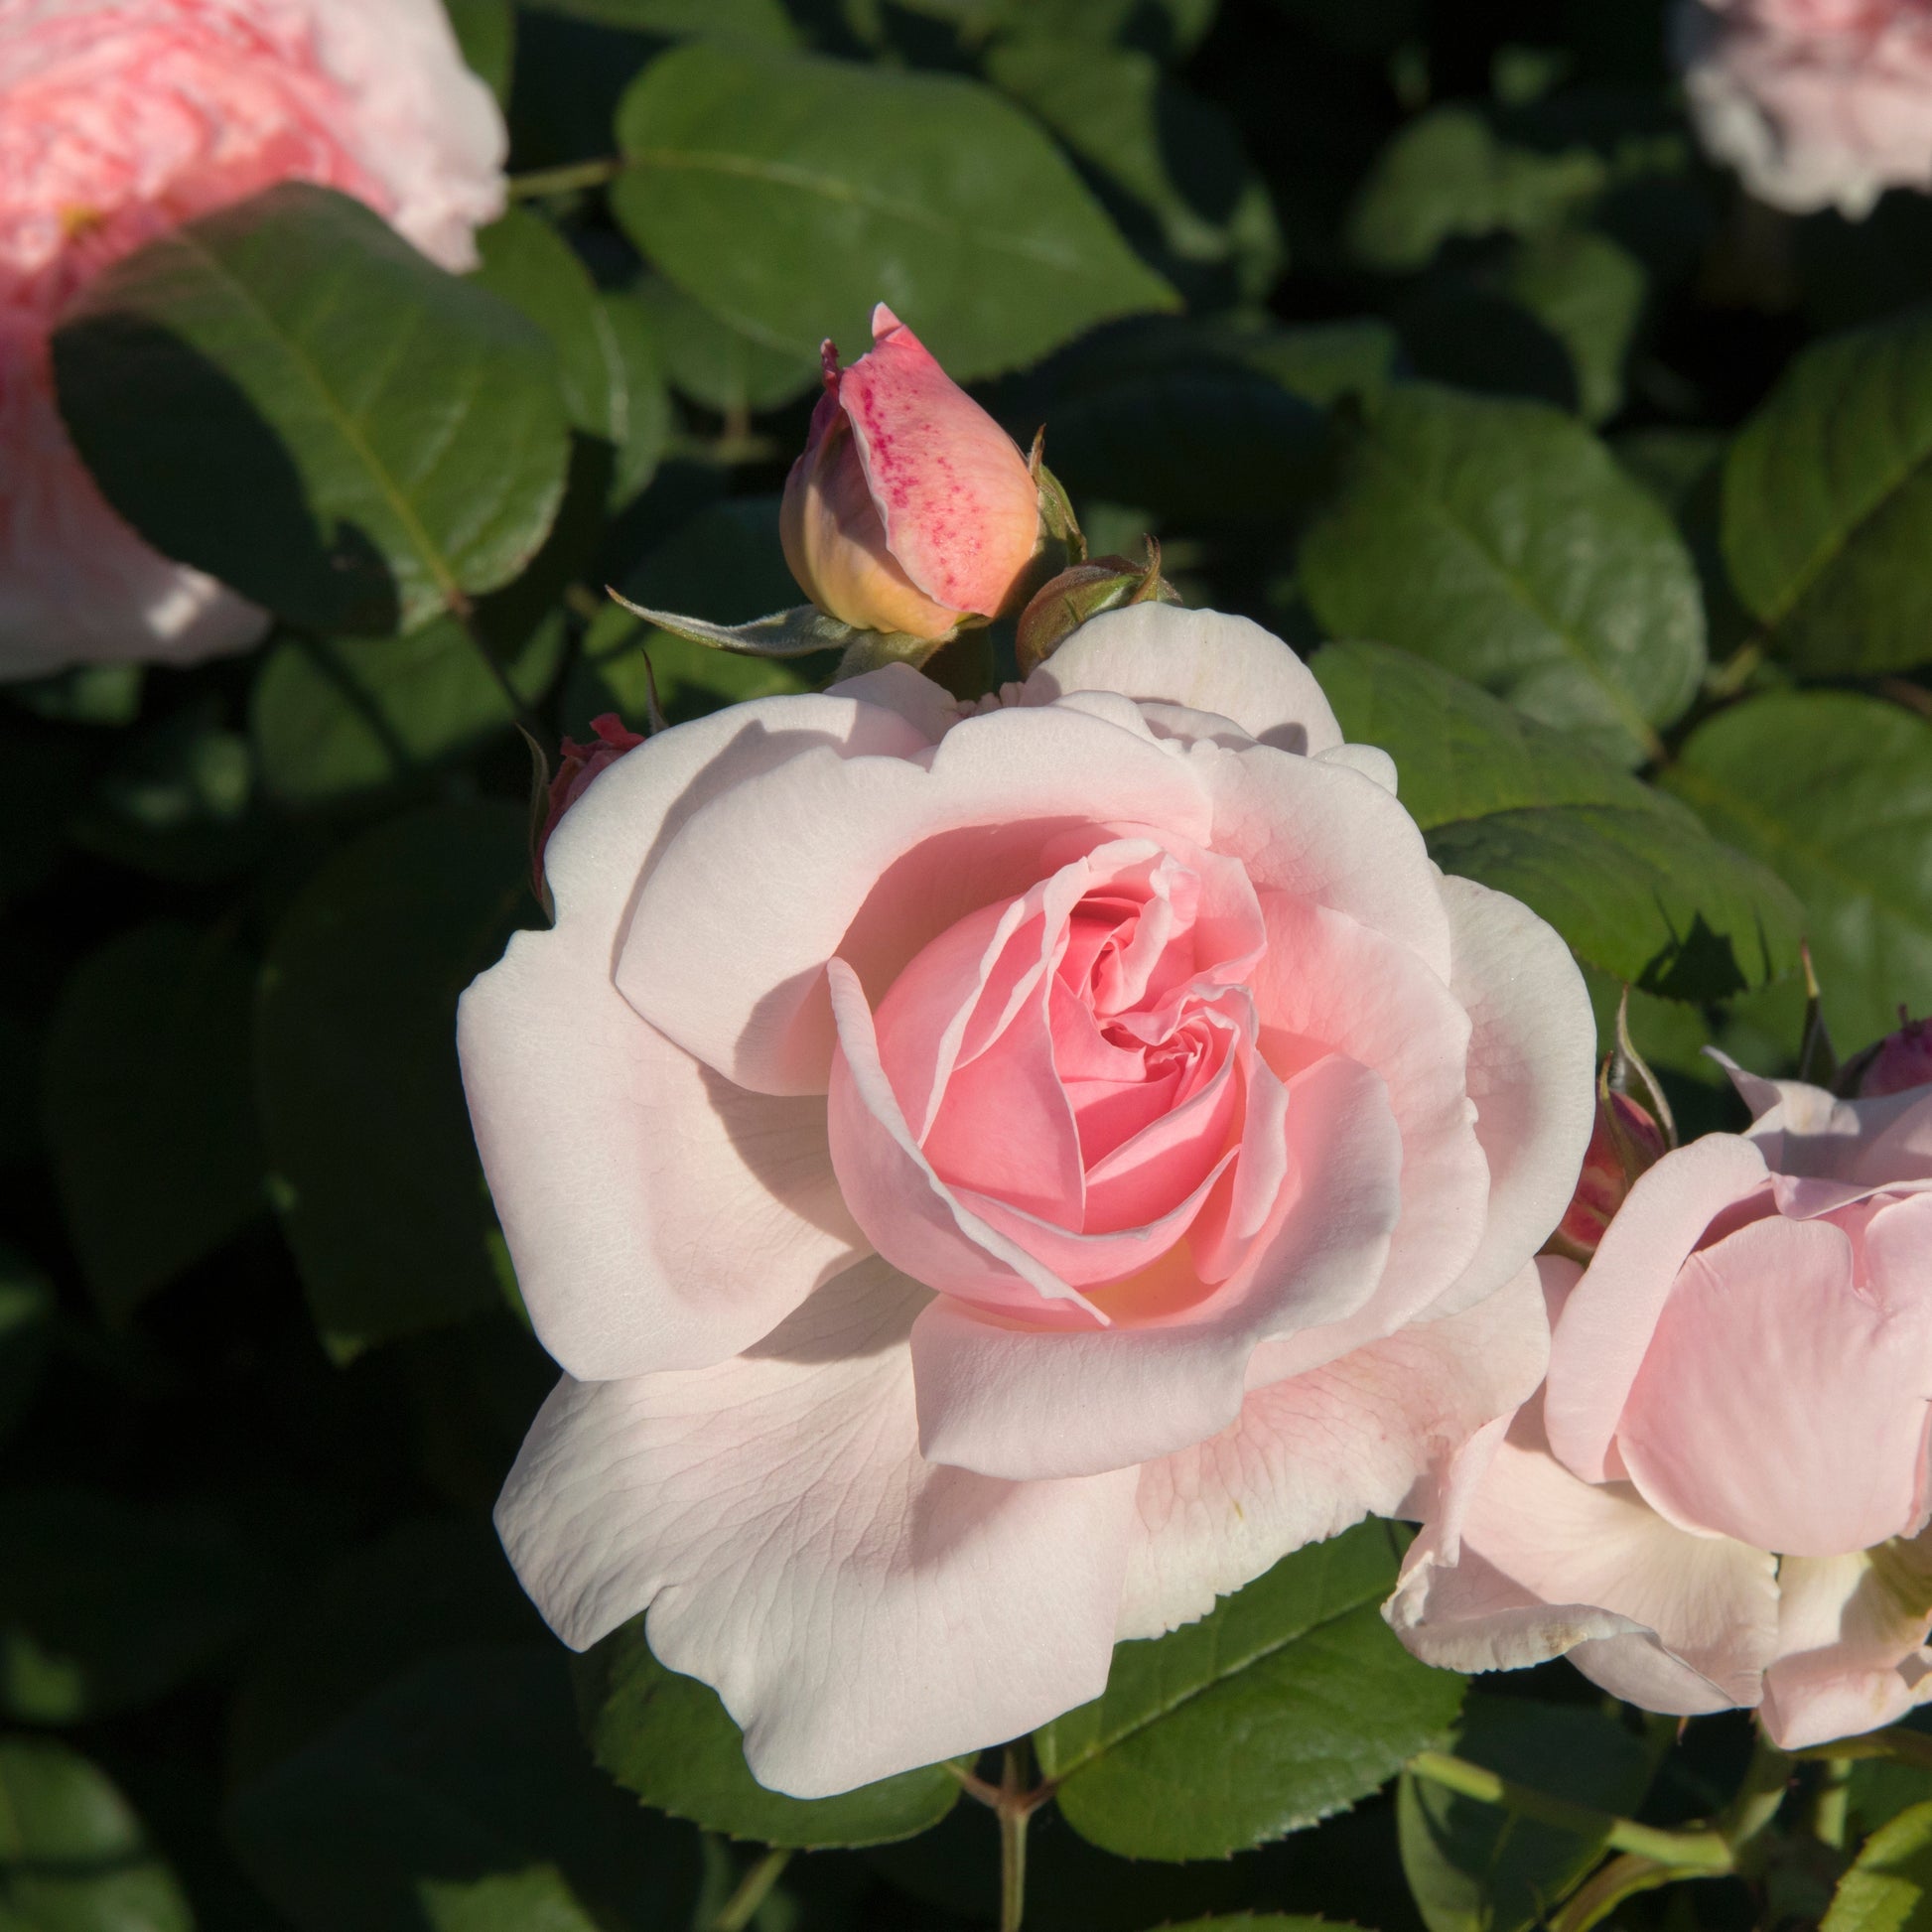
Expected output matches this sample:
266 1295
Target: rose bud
910 506
1900 1060
125 117
1625 1142
1029 1167
579 764
1064 602
1719 1497
1817 103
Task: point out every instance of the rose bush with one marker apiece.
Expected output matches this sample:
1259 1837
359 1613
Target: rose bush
996 1177
909 508
1721 1495
120 119
1817 103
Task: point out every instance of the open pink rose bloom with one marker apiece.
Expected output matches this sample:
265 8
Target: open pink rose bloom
121 119
997 1176
1817 103
1720 1497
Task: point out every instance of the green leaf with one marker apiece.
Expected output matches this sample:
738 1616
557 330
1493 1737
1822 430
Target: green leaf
285 394
1886 1889
789 195
1254 1922
1828 502
1502 540
1323 362
486 30
334 718
799 632
105 1607
457 1799
717 365
1475 1868
1289 1701
726 561
1449 175
372 1164
150 1116
72 1855
1590 294
756 22
670 1741
26 1334
1633 882
1835 792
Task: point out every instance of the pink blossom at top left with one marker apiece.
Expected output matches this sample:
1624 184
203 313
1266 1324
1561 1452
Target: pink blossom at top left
120 119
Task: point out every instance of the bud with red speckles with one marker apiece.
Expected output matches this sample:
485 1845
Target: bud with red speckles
910 510
579 765
1629 1137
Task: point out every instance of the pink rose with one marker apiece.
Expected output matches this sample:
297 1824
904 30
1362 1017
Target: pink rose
1817 103
1029 1167
1719 1497
579 764
910 506
120 119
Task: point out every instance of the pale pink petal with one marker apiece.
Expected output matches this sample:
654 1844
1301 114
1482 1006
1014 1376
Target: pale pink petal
657 1216
1532 1054
1311 1455
1320 832
1776 1403
1600 1342
859 1610
929 708
1327 984
960 512
1547 1565
1202 660
1851 1652
728 945
1024 1402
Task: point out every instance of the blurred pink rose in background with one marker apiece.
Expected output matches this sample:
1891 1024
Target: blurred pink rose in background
910 506
1817 103
1721 1495
1029 1167
120 119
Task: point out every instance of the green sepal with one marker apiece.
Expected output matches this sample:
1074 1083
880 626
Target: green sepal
795 633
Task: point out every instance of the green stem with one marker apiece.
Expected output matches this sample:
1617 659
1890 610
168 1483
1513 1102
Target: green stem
1766 1779
565 179
1695 1850
752 1890
1831 1805
1902 1746
1015 1809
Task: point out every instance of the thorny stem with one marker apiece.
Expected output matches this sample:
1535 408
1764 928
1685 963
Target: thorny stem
1012 1801
565 179
752 1890
1688 1852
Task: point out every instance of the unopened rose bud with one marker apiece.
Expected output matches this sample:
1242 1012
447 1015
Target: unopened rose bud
1900 1060
909 508
1625 1142
1064 602
579 765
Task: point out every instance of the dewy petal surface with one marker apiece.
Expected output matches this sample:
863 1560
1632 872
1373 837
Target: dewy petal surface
1547 1565
859 1610
1203 660
657 1216
1309 1456
1778 1404
760 886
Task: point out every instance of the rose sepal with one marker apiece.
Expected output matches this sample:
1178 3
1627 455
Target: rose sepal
1081 591
795 633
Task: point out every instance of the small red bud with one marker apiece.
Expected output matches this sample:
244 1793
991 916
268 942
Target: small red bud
1625 1142
579 764
1900 1060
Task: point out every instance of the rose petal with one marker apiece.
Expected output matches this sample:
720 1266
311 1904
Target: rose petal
1203 660
733 927
1852 1653
1548 1566
1025 1402
1600 1342
1311 1455
859 1612
1777 1404
1532 1053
